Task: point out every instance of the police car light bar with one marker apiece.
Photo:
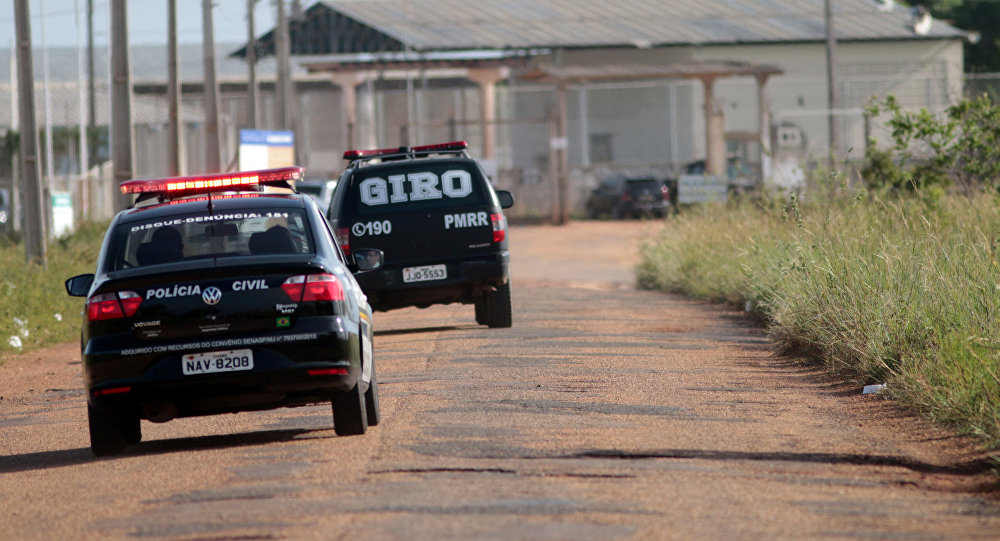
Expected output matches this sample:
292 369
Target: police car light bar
222 182
454 145
377 152
373 153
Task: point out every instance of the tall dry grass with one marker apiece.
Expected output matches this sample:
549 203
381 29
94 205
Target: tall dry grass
902 291
35 310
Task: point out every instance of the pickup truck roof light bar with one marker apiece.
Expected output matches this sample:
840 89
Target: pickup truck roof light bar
400 153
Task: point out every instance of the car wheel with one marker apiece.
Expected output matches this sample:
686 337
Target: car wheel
349 412
497 307
111 433
372 413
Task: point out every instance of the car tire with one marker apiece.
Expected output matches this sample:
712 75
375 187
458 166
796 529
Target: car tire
497 308
372 413
111 433
349 412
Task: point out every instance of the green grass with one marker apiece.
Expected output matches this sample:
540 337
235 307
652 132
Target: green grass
899 291
36 309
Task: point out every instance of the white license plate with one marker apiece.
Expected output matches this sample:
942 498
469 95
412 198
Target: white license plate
217 361
423 274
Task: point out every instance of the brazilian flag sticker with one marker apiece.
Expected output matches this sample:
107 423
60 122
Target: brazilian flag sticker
284 322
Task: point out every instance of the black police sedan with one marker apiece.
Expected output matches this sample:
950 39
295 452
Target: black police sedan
222 293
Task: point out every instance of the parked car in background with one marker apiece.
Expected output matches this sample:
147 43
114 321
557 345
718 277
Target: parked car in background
321 190
5 221
629 197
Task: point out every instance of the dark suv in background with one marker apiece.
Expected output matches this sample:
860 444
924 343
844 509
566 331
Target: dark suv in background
629 197
440 225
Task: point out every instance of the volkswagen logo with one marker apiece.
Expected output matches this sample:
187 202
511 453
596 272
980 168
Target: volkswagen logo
211 295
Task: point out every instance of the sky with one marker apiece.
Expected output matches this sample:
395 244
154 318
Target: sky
147 21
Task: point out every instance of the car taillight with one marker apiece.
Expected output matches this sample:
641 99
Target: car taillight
344 239
113 305
666 193
313 287
499 227
626 197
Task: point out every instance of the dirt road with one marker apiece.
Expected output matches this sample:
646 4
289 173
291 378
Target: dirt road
604 413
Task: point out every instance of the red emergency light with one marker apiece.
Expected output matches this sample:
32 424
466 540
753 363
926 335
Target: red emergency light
222 182
373 153
454 145
376 152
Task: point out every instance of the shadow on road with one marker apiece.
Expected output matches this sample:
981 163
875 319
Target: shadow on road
971 467
71 457
419 330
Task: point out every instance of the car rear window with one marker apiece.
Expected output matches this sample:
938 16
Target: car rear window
638 186
203 236
415 187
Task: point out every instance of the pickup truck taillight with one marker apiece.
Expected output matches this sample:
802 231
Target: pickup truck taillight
499 227
343 235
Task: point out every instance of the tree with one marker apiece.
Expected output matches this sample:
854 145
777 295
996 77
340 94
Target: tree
982 16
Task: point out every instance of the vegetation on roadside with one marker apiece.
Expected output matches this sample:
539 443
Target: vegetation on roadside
894 282
36 311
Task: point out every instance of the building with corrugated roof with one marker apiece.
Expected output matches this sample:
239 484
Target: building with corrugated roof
388 72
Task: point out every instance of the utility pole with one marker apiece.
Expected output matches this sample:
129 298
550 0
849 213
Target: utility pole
92 100
173 94
121 102
47 106
251 68
31 186
213 157
83 183
282 95
831 80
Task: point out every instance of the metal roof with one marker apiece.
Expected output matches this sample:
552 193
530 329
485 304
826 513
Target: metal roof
619 72
500 24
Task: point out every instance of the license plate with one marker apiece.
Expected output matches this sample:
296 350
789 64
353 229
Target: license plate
217 361
423 274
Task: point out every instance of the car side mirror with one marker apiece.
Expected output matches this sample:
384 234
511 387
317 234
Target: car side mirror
368 259
79 286
506 199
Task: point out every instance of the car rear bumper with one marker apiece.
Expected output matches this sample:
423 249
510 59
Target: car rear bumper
319 357
466 282
264 387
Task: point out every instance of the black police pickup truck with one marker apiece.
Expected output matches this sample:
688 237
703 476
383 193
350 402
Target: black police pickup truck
212 295
433 213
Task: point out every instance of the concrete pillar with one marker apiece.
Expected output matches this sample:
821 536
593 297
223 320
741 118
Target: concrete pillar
348 82
764 121
487 78
715 127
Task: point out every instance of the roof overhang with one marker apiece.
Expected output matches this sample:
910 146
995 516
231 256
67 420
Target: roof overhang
410 60
631 72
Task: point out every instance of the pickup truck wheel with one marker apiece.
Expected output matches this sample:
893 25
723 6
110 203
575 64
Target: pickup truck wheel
497 307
